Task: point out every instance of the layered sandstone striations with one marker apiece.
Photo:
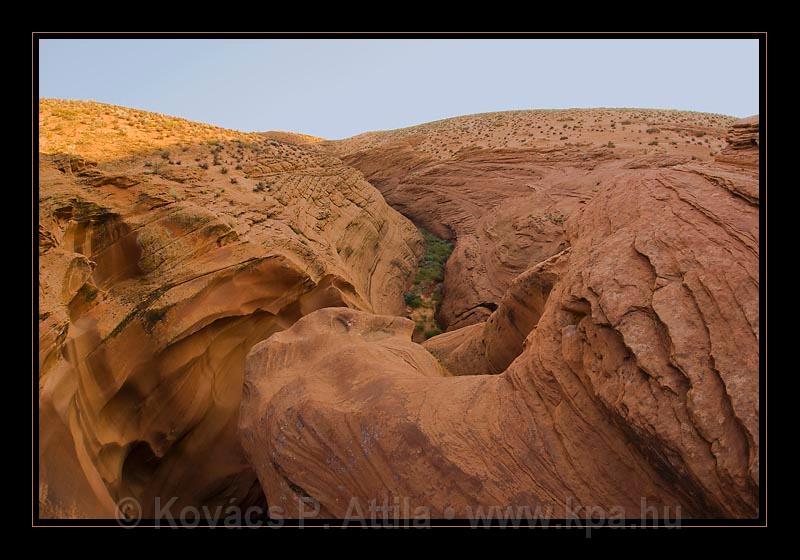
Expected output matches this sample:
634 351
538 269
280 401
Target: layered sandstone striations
601 305
742 148
502 184
166 250
626 354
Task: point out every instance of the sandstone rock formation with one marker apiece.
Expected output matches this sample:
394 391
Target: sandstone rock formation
161 262
219 315
629 362
742 148
502 184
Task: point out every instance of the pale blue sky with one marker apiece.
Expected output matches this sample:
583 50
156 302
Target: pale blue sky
338 88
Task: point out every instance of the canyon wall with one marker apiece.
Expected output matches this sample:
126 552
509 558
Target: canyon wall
159 268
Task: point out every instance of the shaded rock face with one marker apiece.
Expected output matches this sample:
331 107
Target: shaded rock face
490 346
156 278
626 372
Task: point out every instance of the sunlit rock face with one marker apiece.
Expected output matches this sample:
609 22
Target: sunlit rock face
158 270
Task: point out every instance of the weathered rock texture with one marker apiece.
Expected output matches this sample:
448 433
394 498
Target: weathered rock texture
628 352
601 303
157 275
742 148
502 184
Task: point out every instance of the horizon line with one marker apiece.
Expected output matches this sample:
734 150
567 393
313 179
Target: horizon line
377 130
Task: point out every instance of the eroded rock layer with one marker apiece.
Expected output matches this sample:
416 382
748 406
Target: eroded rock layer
219 316
628 363
742 148
502 184
161 263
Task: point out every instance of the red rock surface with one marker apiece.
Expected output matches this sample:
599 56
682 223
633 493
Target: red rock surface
601 304
502 184
628 363
742 148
